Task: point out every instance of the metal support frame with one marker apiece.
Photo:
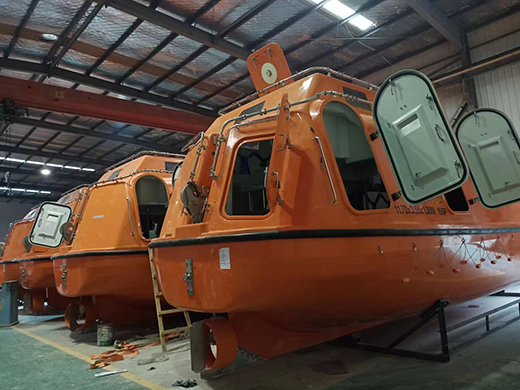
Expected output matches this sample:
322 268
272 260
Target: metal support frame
288 23
41 153
437 310
20 27
64 74
29 94
67 128
179 27
440 22
449 30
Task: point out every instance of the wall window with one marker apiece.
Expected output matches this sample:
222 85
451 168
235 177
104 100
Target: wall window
247 191
152 199
354 158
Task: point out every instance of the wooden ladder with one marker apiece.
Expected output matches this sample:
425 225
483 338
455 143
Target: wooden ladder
160 312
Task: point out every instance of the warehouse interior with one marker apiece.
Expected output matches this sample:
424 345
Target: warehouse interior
104 101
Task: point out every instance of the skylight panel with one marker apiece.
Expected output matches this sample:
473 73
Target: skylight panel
361 22
341 11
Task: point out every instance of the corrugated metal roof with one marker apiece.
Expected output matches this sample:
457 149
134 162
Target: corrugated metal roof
338 47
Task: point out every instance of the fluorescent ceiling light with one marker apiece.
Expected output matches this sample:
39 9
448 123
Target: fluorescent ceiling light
3 188
54 165
18 189
71 167
341 11
33 191
88 169
45 172
45 192
14 160
34 162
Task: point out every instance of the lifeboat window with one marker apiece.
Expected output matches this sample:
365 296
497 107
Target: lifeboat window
176 172
354 158
152 199
170 166
254 109
114 175
456 200
247 192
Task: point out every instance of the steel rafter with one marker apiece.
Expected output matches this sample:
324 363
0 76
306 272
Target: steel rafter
165 42
41 153
33 197
87 133
388 45
298 46
64 35
20 27
179 27
78 176
64 74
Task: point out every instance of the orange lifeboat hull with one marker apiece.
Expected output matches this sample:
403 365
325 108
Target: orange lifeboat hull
364 281
120 273
9 270
36 273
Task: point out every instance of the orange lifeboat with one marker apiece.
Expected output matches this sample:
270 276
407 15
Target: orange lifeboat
16 246
35 267
316 208
105 258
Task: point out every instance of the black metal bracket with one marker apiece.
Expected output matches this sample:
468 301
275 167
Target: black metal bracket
437 310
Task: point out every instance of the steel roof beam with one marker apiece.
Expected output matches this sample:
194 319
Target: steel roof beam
68 75
79 176
38 187
176 26
20 27
440 22
395 42
34 197
41 153
208 6
30 94
89 133
298 46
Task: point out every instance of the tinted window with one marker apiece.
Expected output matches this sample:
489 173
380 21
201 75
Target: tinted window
114 175
456 200
152 199
247 192
354 158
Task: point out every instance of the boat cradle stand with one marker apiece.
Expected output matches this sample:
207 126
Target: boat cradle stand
437 310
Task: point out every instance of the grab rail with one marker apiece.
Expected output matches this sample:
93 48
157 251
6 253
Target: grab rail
220 139
317 139
315 69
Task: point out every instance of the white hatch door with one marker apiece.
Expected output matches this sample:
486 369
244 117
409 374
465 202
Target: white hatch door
492 149
417 137
46 230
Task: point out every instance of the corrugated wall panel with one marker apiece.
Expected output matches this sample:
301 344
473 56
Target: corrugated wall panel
499 88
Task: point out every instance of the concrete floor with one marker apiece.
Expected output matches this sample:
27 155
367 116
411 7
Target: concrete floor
41 353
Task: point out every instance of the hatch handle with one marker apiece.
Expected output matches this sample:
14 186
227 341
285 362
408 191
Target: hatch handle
516 157
438 131
317 139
